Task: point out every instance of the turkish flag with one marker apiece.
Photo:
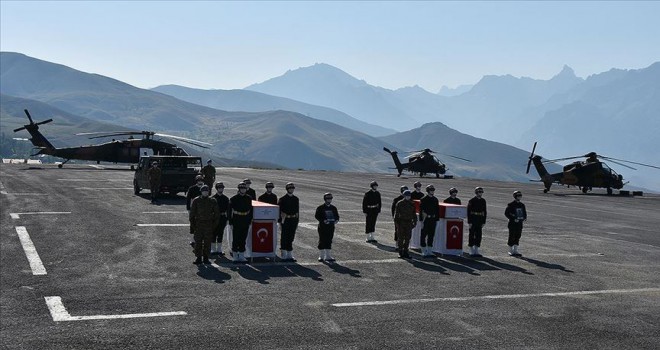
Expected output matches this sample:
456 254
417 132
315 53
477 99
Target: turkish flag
454 231
262 236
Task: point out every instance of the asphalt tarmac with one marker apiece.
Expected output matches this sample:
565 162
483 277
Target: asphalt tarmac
84 267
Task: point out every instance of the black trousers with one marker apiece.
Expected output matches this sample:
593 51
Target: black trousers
239 232
515 231
219 234
371 222
475 235
289 227
326 233
428 232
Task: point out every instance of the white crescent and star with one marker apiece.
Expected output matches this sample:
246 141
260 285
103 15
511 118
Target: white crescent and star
262 239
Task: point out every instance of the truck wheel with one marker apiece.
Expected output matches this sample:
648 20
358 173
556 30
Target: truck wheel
136 188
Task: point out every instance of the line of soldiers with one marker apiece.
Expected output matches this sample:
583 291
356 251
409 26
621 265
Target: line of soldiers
210 215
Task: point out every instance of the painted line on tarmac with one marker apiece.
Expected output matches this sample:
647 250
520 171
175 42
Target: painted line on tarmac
95 180
21 194
164 212
501 296
30 250
18 215
59 313
162 225
103 188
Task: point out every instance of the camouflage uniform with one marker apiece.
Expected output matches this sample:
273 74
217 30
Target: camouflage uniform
154 174
204 218
209 175
405 220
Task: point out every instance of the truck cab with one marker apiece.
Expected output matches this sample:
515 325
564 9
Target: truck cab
178 173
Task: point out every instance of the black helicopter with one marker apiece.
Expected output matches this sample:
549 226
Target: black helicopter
421 162
585 174
115 151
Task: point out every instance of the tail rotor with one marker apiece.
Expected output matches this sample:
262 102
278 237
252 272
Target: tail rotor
529 163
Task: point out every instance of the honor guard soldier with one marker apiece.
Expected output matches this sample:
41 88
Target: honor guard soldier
204 216
268 196
394 202
452 199
476 210
417 193
208 171
429 213
223 206
193 192
327 216
405 220
240 218
250 191
371 205
516 213
289 216
154 174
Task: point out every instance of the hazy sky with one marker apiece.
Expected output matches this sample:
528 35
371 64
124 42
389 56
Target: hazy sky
230 45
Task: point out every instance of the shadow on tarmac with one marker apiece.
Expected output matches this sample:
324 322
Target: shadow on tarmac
263 273
545 265
212 273
343 269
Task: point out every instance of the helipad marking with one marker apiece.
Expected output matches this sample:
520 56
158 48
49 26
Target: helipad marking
491 297
59 313
17 215
30 250
162 225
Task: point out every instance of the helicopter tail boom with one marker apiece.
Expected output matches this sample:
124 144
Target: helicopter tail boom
395 157
38 140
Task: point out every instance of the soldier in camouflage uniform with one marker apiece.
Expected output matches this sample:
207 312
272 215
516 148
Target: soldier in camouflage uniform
405 220
209 174
204 218
154 174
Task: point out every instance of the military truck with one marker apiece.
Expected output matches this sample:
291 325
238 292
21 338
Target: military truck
178 173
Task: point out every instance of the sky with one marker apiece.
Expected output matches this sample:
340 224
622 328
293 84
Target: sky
230 45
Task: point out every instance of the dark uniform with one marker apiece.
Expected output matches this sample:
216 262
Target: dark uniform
516 213
289 215
240 218
208 172
417 195
270 198
154 173
405 220
252 193
327 216
204 216
429 213
476 210
452 200
192 193
371 204
223 207
394 202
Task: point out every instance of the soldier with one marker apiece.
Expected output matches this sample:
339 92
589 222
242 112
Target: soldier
193 192
204 217
394 202
417 193
371 205
240 219
223 206
289 216
452 199
154 174
327 216
429 213
208 172
405 220
476 209
250 191
516 213
268 196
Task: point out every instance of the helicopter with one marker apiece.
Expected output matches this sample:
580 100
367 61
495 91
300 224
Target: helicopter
422 162
585 174
115 151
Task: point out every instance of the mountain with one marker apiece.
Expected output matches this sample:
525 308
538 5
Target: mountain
459 90
489 160
251 101
327 86
615 113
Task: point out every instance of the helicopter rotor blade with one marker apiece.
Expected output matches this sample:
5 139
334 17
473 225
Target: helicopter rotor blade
449 155
628 161
194 143
185 139
29 116
621 164
560 159
529 162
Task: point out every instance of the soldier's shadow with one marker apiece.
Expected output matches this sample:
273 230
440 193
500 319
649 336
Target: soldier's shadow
263 272
546 265
427 264
504 266
336 267
212 273
384 247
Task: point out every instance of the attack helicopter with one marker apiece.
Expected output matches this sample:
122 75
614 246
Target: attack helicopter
115 151
422 162
586 175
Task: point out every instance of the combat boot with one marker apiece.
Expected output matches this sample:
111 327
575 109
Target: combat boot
198 260
321 254
328 257
406 254
206 261
511 251
290 256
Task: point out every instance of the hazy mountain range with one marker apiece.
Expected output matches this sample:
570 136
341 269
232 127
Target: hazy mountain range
345 110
